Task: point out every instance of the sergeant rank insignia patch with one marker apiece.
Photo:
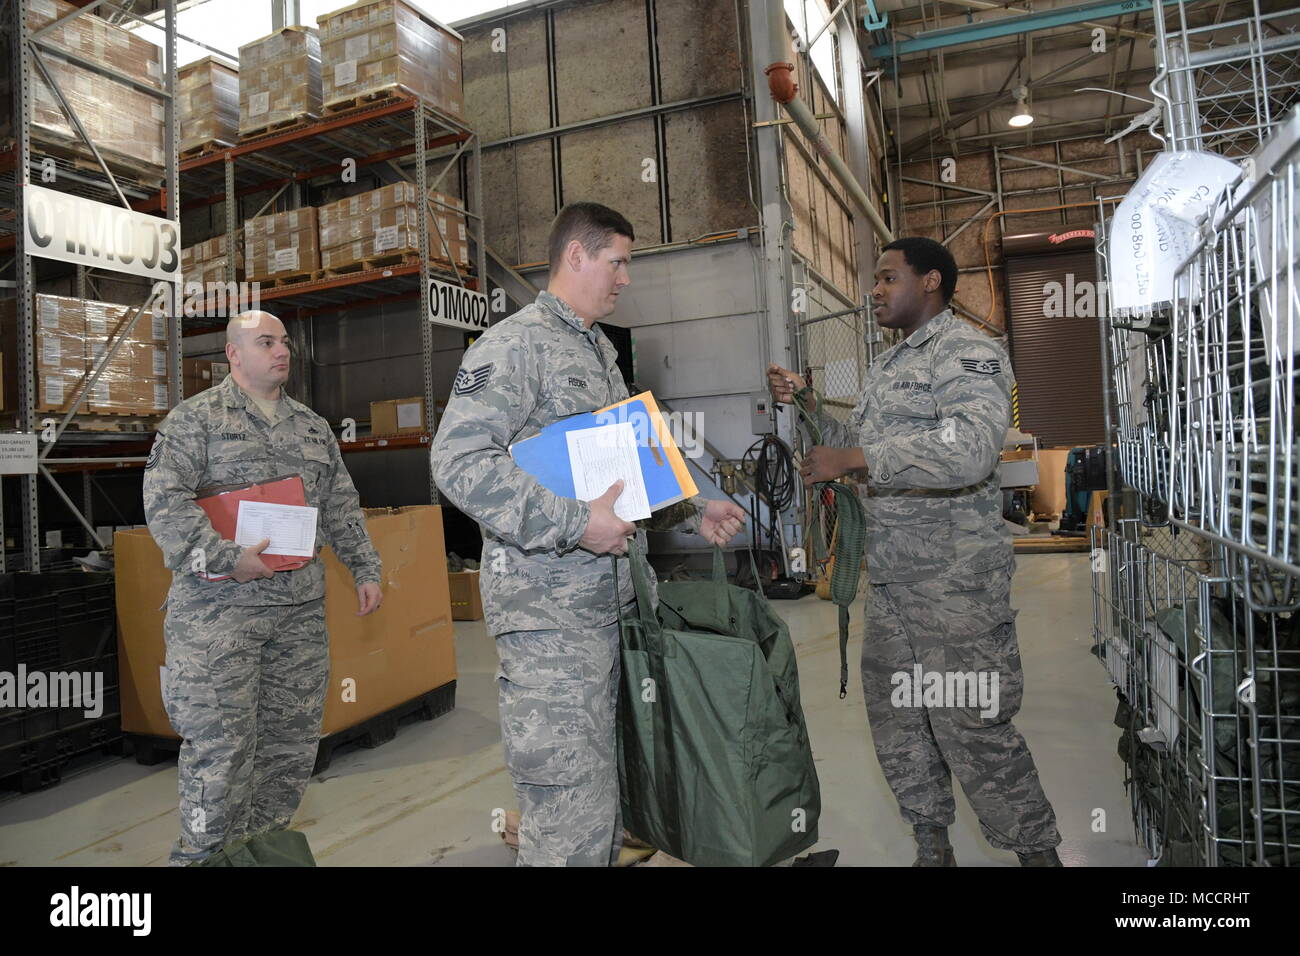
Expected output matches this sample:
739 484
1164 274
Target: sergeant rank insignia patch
983 366
469 382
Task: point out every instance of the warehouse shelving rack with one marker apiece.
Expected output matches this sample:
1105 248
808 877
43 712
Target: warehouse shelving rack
402 127
28 52
1196 595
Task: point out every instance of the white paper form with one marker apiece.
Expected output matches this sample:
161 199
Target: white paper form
291 528
601 456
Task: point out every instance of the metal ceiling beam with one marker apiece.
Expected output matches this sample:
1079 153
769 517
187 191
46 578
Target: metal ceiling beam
995 53
902 20
1041 93
1012 26
995 99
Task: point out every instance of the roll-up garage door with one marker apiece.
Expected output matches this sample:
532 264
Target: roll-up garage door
1052 324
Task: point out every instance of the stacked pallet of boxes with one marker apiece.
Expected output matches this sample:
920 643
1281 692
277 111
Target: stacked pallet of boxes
378 227
205 261
284 245
71 336
60 340
125 123
381 227
381 45
208 104
134 382
279 80
449 218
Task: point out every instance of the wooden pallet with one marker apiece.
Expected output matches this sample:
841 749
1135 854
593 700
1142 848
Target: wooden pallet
374 262
127 170
279 282
205 149
301 121
1049 544
368 99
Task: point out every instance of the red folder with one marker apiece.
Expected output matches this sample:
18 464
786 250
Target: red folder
221 503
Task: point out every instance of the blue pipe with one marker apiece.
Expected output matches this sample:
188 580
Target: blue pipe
1010 26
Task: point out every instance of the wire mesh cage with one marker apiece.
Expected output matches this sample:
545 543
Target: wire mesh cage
836 344
1225 83
1139 367
1208 699
1236 330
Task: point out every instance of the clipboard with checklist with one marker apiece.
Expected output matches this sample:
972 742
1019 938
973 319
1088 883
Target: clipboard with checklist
221 504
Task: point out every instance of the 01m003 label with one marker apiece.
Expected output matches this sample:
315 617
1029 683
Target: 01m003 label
457 306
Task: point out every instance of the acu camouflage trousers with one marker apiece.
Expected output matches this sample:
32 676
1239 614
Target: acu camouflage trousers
245 689
559 695
958 623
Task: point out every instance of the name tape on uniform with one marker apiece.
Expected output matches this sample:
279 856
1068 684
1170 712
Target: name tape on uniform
457 306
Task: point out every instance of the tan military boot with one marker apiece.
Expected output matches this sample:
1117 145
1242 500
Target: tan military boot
932 846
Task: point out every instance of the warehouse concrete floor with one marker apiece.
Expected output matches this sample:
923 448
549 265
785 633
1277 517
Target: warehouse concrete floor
428 797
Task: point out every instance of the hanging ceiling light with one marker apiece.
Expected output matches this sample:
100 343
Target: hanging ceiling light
1022 116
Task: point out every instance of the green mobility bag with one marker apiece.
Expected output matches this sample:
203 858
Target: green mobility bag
714 762
268 848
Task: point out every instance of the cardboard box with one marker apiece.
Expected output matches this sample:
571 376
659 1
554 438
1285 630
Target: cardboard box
370 224
208 95
397 416
466 601
133 396
390 241
105 319
282 244
374 200
294 253
1048 498
399 652
60 354
196 375
277 224
279 79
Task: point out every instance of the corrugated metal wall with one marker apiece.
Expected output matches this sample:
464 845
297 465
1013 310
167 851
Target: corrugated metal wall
1057 358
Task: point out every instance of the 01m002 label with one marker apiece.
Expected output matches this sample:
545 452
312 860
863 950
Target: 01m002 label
457 306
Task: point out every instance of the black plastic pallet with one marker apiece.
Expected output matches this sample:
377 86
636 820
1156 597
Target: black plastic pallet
382 728
378 730
39 762
50 619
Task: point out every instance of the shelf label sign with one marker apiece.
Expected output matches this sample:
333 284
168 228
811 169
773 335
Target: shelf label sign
17 454
457 306
74 229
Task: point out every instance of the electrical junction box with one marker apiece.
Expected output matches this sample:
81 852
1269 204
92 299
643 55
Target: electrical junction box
760 413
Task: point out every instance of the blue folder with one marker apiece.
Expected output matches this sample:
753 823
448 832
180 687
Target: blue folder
545 456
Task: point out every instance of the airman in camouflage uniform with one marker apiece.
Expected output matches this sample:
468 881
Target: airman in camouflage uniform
247 655
929 428
552 605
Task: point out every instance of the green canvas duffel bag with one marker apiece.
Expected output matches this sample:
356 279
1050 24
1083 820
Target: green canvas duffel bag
714 762
268 848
